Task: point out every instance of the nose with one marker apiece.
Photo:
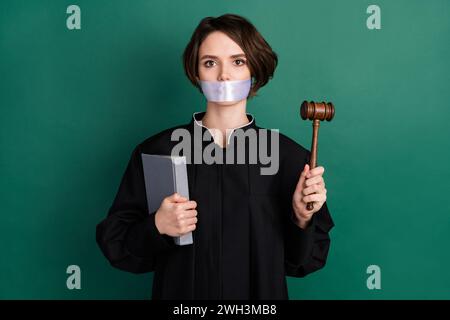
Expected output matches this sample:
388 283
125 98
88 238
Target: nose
223 74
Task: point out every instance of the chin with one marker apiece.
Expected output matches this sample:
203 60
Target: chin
228 103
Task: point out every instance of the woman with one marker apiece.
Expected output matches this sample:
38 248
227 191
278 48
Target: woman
250 230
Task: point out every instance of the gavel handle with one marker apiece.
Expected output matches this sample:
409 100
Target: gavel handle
313 160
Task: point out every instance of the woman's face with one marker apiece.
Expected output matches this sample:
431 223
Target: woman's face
221 59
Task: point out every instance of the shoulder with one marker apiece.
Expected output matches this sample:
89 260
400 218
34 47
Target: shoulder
161 142
291 145
288 146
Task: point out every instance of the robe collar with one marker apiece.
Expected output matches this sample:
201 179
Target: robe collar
197 121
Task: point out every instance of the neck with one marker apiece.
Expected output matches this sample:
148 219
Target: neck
223 117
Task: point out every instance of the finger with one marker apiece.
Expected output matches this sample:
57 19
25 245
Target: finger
319 197
180 198
315 188
188 205
176 197
316 171
187 228
182 207
314 180
190 221
190 228
187 214
302 178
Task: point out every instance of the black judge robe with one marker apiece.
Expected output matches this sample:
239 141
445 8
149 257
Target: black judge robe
245 241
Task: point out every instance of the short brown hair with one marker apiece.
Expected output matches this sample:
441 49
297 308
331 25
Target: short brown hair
261 59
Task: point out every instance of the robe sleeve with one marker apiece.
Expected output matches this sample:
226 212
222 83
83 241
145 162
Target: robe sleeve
128 236
306 250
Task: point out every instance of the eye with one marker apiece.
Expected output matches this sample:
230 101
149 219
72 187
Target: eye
242 62
207 63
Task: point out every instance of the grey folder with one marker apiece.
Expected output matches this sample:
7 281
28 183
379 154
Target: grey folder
165 175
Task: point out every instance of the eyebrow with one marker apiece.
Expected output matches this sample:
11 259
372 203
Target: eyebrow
208 56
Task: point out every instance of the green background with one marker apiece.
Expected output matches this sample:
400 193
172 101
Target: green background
74 104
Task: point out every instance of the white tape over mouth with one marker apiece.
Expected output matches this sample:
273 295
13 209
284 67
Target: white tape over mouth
226 91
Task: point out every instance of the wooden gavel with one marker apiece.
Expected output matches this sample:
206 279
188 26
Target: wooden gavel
315 111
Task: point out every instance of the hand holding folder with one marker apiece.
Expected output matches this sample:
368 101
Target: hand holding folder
164 176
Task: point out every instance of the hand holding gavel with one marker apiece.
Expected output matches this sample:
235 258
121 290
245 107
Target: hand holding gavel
315 111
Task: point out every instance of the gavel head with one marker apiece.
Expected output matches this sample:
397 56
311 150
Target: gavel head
317 110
